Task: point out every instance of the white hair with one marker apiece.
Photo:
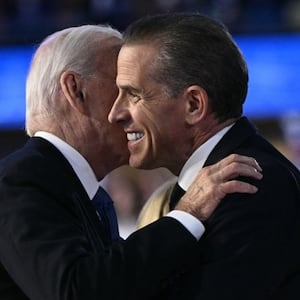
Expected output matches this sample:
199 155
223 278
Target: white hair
73 49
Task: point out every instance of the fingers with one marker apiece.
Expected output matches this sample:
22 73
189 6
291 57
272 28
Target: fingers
235 186
233 166
214 182
236 158
236 169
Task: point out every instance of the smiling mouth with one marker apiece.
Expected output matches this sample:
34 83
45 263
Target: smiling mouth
134 136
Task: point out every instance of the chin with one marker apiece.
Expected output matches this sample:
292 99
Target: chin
134 163
141 164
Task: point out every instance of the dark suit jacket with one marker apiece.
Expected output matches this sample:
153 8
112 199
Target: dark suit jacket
251 247
52 244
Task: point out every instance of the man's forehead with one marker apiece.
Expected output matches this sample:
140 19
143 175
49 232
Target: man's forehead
135 59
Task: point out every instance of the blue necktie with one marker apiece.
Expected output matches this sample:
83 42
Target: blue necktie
107 214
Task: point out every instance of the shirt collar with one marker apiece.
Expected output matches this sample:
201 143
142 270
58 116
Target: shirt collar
198 158
79 164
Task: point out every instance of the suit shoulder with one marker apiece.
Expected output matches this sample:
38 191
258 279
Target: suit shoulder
37 161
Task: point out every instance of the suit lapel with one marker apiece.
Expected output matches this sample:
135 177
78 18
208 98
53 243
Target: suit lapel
242 130
63 181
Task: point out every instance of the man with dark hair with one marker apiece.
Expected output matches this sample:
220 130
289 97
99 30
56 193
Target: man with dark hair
182 83
58 230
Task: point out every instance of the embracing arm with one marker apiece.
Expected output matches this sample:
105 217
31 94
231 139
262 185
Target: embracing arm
212 183
47 247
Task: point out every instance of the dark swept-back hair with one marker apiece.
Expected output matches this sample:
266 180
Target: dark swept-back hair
194 49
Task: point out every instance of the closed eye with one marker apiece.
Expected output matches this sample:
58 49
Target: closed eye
132 93
134 97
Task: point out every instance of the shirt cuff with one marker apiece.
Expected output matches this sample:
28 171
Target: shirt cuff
191 223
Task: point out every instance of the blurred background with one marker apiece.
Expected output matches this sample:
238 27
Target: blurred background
267 31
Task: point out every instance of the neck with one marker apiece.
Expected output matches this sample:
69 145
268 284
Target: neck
209 130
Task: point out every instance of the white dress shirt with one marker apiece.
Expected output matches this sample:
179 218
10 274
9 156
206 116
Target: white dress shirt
189 172
196 161
79 164
90 183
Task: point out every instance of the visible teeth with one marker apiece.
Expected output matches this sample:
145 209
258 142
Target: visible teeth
134 136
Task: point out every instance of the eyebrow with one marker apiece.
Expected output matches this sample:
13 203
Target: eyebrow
129 88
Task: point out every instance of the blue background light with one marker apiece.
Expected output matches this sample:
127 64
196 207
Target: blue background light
14 64
273 62
274 66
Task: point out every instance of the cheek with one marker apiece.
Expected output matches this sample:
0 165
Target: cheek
106 97
158 119
151 125
151 117
112 94
101 108
115 138
118 133
170 128
164 120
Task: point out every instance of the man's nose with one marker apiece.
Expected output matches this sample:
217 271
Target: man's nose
117 113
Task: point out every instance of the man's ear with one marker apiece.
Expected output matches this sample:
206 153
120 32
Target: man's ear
71 85
196 104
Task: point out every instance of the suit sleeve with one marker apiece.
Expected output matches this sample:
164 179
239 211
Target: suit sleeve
249 250
45 250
